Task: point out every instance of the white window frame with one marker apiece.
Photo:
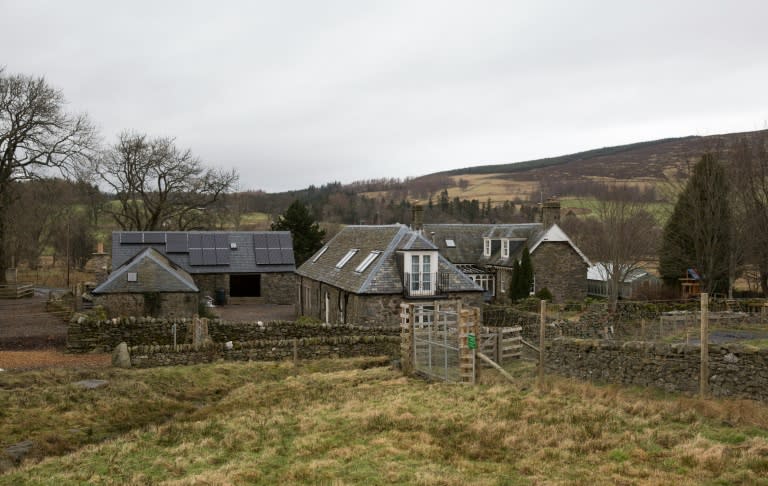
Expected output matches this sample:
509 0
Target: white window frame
486 247
486 282
132 276
505 248
368 260
425 274
450 243
347 257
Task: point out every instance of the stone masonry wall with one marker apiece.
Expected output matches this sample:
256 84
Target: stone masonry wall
85 335
278 288
171 304
263 350
560 269
738 371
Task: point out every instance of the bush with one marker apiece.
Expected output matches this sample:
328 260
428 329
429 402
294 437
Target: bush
543 294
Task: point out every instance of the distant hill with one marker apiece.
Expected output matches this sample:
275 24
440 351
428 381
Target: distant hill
644 165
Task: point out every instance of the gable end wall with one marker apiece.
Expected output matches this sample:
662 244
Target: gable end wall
560 269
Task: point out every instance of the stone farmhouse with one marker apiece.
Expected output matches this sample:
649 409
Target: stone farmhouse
363 274
487 252
161 266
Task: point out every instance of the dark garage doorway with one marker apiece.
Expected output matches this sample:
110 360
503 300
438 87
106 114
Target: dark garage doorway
245 285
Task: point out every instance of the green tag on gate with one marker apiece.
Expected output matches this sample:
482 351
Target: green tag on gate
471 341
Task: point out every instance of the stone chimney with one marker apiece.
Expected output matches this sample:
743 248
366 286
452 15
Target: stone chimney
417 218
550 212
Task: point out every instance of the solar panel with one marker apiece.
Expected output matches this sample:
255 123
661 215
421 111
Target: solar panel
287 256
209 256
195 240
176 243
222 240
273 240
275 256
196 256
154 238
285 241
130 238
262 257
259 241
209 241
222 256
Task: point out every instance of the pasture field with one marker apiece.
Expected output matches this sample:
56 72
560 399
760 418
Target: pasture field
357 422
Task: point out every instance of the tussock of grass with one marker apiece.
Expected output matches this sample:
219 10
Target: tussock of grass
338 424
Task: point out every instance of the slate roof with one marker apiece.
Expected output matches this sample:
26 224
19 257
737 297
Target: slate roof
556 234
383 275
205 252
154 273
468 240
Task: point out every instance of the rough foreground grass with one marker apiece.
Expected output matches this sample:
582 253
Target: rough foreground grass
332 422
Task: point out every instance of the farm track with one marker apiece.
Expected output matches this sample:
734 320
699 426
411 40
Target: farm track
31 338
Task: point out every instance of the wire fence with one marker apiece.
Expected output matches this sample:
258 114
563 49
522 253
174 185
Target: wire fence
662 321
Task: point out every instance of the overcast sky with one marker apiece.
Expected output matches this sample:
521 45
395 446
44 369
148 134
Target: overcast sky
292 93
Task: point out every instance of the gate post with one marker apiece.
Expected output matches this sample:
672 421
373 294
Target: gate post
406 338
466 355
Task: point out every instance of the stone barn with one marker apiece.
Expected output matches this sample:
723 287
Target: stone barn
148 284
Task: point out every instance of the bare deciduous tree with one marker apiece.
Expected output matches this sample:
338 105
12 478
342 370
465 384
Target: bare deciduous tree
159 186
750 172
35 134
621 235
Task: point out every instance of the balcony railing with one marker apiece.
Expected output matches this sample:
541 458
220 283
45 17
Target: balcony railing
426 284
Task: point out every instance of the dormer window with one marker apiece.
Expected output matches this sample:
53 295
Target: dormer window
421 273
368 260
486 247
346 257
504 248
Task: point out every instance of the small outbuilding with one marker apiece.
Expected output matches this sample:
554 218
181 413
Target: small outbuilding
148 284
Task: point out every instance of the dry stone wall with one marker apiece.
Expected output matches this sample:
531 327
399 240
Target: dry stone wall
736 370
85 334
266 350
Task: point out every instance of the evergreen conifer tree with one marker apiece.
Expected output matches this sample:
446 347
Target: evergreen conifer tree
306 233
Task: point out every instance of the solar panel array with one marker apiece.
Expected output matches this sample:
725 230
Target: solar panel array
273 249
207 249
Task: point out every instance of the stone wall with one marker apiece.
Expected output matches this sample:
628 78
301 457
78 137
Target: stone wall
559 268
85 335
364 310
170 305
738 371
278 288
266 350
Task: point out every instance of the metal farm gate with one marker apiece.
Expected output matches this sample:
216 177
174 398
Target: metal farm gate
441 340
436 341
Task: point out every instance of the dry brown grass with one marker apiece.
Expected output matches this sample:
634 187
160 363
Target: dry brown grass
353 426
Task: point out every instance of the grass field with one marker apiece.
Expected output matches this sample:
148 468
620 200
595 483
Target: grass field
332 422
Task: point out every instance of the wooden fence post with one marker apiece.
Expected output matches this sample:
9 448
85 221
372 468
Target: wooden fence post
704 375
542 327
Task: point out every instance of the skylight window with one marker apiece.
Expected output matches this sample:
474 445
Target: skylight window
450 243
368 260
346 258
319 254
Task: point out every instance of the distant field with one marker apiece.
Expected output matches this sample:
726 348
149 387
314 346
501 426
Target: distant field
329 422
586 206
